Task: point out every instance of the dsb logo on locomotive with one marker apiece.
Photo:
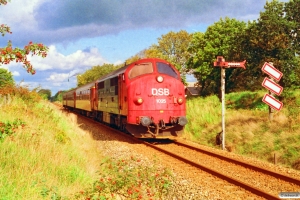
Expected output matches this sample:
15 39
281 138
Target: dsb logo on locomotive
160 91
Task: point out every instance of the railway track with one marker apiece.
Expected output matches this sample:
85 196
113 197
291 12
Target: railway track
259 181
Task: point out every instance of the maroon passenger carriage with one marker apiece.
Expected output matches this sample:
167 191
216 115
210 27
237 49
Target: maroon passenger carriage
146 98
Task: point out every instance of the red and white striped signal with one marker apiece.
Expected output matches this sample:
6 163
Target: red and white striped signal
272 86
272 71
271 101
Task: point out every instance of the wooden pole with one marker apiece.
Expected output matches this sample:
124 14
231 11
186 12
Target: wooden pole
223 105
271 110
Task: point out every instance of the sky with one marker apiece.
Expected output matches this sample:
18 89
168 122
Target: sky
85 33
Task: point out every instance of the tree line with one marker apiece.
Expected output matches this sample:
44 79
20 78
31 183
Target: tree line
273 37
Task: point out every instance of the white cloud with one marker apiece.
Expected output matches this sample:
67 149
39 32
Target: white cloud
118 62
30 85
15 73
57 71
58 77
19 13
78 59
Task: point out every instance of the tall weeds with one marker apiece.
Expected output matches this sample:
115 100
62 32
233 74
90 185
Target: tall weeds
248 130
44 155
40 153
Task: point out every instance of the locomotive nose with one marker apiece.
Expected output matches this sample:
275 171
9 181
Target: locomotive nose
182 121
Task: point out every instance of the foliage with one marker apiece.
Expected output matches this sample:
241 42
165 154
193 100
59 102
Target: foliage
292 15
9 128
58 96
6 78
133 59
130 180
3 2
268 40
45 93
273 38
43 155
173 48
23 93
221 38
248 128
94 73
8 53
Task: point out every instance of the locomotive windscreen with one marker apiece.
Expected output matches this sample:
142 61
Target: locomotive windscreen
164 68
140 69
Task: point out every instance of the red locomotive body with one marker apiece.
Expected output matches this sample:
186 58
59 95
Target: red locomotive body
146 98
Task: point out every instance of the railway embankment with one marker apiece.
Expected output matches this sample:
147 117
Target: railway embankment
50 153
43 154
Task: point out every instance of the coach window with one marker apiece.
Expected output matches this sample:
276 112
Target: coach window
164 68
140 69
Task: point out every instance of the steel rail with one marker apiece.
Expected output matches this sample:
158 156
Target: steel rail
244 164
234 181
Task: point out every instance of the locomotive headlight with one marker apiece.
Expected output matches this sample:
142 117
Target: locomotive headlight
139 100
180 100
159 79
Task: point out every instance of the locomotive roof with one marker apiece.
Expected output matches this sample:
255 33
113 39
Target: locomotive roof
123 69
113 74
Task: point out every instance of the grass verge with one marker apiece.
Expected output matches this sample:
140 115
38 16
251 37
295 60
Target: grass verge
42 153
248 128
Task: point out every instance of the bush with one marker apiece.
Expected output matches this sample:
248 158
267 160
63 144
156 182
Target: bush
130 180
8 128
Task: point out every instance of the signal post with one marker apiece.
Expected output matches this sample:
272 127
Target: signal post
225 65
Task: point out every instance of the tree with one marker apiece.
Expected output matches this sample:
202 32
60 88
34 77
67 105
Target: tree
292 15
45 93
199 62
8 53
222 38
58 96
94 73
6 78
173 48
268 40
132 59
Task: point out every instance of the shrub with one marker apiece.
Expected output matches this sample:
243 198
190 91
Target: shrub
8 128
130 180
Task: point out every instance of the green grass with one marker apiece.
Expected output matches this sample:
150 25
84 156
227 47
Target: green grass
248 129
45 157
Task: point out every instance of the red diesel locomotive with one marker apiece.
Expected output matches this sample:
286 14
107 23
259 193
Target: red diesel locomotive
146 98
